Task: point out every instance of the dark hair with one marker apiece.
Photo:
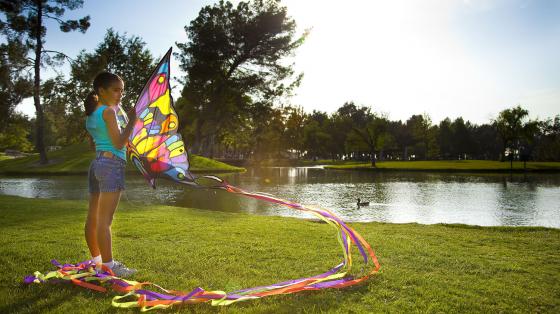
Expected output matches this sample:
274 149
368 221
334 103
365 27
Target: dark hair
102 80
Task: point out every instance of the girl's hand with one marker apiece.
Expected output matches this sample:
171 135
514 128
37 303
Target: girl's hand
131 115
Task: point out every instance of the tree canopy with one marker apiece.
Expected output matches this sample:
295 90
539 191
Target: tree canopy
24 25
235 63
63 97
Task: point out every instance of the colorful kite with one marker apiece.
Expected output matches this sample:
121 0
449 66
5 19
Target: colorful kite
155 147
158 151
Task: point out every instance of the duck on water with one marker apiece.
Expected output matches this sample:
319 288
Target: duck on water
362 203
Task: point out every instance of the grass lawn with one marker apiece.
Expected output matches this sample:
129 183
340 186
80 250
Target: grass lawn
4 157
450 165
424 268
75 159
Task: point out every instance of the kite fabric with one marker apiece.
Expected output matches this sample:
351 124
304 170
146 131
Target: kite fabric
158 151
155 147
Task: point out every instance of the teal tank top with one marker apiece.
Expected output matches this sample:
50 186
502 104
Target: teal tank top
97 127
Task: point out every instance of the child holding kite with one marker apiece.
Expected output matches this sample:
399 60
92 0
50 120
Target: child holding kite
106 172
171 162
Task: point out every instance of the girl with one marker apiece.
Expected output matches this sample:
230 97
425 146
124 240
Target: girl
106 172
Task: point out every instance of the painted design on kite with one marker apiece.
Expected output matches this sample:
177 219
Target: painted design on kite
158 151
155 147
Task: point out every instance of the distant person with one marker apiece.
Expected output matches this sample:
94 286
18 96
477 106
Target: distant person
106 172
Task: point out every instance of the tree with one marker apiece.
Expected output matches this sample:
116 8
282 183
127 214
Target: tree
402 137
368 127
424 136
234 64
63 98
125 56
268 128
337 128
315 136
463 144
62 104
548 148
15 84
16 134
24 23
485 140
295 123
512 125
445 139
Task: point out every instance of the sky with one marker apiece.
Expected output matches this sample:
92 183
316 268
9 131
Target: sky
444 58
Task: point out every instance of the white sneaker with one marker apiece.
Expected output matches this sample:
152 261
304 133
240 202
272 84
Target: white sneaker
122 271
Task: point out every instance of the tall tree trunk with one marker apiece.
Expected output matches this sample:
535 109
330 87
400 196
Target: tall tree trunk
40 118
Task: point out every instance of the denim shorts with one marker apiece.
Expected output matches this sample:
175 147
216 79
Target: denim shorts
106 174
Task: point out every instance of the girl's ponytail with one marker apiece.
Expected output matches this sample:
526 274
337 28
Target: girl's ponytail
90 103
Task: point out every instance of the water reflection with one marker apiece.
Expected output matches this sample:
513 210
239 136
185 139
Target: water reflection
486 199
515 203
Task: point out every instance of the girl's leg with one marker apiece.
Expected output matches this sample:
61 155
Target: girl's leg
108 202
91 224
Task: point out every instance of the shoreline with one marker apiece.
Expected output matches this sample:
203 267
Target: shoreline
444 170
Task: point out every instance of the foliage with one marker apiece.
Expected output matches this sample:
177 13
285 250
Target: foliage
423 134
15 134
357 133
268 127
63 97
295 119
514 129
15 84
125 56
24 25
315 135
235 64
369 130
548 140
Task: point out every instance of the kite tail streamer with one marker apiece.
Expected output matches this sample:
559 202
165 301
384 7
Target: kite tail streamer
137 294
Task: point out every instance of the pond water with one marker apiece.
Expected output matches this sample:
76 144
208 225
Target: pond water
398 197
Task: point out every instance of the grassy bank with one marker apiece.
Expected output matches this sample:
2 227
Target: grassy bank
75 159
435 268
451 166
4 157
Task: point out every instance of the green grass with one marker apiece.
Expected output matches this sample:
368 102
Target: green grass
75 159
425 268
450 165
4 157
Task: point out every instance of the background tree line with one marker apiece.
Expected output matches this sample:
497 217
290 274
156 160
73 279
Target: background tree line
234 100
357 133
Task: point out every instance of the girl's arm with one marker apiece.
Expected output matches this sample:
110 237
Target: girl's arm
119 140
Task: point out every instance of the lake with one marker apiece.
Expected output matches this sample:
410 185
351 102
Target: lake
397 197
